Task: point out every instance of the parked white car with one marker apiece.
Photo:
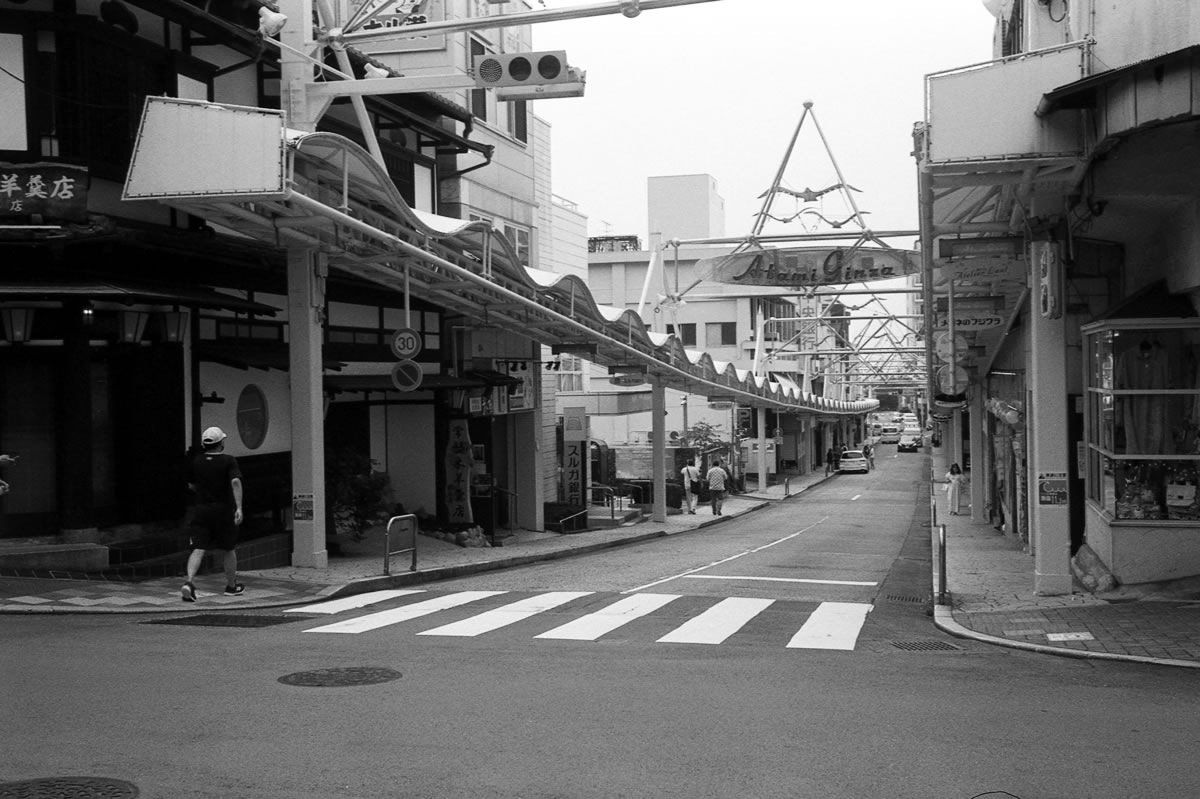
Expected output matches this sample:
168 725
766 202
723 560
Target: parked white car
852 460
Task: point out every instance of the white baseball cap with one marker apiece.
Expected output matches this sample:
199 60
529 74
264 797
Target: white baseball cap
213 435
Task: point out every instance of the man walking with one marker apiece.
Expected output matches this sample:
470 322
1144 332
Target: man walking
829 459
716 486
216 480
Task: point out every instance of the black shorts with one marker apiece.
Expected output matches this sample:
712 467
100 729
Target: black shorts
213 527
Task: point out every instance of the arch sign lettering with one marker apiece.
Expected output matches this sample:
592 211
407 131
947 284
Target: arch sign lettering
809 267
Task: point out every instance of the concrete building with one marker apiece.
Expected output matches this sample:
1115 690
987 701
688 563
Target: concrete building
1058 186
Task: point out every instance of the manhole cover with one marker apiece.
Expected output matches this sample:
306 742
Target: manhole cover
925 646
349 675
68 788
224 620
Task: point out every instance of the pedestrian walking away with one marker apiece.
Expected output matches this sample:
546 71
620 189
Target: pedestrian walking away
829 458
691 484
716 487
216 481
954 483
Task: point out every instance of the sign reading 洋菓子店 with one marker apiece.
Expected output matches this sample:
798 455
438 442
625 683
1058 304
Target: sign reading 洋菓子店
807 267
53 191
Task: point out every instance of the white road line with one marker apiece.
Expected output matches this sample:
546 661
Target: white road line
509 614
717 623
594 625
383 618
352 602
856 496
833 625
724 560
777 579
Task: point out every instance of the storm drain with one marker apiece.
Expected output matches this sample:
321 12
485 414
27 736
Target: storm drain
347 675
224 620
900 598
926 646
74 787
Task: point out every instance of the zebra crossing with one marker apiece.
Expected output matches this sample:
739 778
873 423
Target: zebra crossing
706 620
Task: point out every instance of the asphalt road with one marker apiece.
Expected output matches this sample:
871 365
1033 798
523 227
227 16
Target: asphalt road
476 701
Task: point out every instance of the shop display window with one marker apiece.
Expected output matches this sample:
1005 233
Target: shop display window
1143 418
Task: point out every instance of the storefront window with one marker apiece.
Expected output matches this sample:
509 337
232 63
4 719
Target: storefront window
1143 418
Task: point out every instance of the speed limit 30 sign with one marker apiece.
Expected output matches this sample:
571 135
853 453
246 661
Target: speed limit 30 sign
406 343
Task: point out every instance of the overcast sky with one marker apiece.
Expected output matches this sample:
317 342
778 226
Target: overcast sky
719 87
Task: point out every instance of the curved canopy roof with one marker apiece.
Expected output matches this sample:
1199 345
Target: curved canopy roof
335 197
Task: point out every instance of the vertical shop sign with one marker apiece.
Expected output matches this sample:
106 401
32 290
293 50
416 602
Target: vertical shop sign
459 465
575 450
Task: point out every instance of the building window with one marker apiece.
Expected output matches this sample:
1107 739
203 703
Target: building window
1143 397
570 373
519 239
720 334
518 120
252 417
479 97
686 333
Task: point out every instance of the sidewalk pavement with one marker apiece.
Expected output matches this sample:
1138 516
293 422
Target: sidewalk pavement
990 597
989 582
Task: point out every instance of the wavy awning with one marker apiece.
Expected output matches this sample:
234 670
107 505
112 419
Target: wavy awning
334 196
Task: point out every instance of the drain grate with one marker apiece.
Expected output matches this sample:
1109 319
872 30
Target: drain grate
926 646
225 620
900 598
333 678
75 787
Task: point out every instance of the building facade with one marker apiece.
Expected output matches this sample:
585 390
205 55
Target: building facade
1058 198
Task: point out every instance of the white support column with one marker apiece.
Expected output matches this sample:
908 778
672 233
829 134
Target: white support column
763 474
306 302
1046 418
979 463
658 445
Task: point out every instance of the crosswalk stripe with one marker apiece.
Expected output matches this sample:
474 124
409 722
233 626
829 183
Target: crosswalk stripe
718 622
509 614
594 625
833 625
396 615
352 602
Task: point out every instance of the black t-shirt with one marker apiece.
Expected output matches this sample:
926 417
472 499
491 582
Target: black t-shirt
211 473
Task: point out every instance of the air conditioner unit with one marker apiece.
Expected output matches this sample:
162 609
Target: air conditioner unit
493 70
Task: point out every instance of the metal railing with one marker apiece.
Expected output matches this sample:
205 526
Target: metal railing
941 583
388 552
940 590
562 523
610 497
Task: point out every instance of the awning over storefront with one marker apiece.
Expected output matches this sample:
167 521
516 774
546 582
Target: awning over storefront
1086 92
130 293
331 195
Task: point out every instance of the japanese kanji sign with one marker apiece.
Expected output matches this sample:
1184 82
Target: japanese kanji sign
55 191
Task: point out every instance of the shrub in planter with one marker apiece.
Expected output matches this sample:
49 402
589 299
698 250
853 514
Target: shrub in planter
356 494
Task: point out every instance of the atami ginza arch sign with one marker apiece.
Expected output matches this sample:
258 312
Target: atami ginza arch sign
806 267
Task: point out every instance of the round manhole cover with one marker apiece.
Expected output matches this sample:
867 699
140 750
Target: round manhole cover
349 675
73 787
